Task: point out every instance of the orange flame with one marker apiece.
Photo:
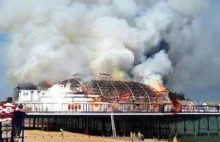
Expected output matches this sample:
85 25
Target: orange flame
87 89
177 105
124 97
159 87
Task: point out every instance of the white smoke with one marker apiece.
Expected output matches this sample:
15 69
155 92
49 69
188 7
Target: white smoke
152 70
51 40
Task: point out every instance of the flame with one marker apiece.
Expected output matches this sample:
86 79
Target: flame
159 87
177 105
118 74
46 84
87 89
124 97
98 99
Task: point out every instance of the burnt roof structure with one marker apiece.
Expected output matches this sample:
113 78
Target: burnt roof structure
118 91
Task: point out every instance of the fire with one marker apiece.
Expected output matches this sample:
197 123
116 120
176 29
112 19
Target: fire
47 84
87 89
124 97
118 74
177 105
159 87
163 90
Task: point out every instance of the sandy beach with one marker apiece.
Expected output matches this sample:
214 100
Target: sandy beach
42 136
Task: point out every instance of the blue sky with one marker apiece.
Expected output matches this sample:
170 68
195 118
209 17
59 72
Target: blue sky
5 88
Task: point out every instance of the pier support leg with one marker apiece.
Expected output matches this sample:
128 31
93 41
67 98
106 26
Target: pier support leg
86 129
29 122
208 125
103 126
34 122
199 126
94 125
184 123
77 124
72 122
158 128
151 127
66 122
167 131
124 125
168 125
61 124
79 119
91 124
38 123
176 125
42 123
55 123
81 124
217 125
48 120
194 128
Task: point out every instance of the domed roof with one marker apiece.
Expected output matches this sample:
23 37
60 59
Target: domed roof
122 91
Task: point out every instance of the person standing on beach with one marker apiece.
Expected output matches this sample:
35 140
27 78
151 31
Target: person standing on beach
132 138
6 118
134 135
139 136
18 119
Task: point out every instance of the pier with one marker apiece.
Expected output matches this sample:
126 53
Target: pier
108 107
151 124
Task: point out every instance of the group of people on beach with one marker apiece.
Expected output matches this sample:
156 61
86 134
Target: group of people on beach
11 120
139 136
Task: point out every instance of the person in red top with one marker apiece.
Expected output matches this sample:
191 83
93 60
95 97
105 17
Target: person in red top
7 110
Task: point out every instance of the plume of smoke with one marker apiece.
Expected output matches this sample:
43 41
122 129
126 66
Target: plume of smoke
198 68
51 40
188 7
152 70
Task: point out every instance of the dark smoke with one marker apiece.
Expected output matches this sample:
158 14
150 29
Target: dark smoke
26 86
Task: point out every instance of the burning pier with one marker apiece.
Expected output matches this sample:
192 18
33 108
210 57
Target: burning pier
101 106
96 95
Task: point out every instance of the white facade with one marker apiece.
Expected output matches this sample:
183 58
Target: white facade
30 95
56 98
62 97
188 106
211 106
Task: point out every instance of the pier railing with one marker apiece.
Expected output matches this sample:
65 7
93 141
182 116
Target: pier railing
116 108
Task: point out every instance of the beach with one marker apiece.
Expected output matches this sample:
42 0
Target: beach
42 136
